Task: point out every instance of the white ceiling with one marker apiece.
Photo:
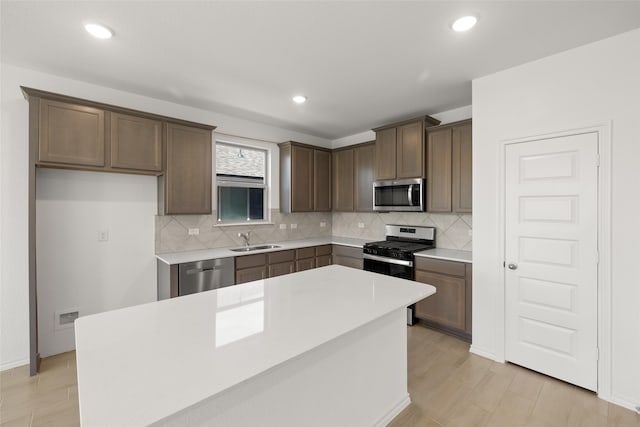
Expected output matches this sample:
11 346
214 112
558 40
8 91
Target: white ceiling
361 63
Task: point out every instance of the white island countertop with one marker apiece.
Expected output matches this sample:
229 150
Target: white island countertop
140 364
199 255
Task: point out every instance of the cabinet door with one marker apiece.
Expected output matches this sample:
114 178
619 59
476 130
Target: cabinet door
439 171
323 260
251 274
410 151
364 165
305 264
386 153
321 181
447 306
136 143
301 179
461 164
188 172
343 180
72 134
281 268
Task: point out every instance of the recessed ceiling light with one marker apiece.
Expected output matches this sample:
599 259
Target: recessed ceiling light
98 31
465 23
299 99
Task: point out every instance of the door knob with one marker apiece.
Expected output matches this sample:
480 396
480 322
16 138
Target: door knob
513 266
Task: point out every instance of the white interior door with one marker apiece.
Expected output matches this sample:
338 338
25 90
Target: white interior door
551 248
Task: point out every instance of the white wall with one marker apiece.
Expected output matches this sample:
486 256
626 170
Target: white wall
14 304
77 271
590 85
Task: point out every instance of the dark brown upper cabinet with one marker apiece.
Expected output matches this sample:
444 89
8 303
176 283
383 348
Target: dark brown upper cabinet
70 134
305 178
353 176
186 185
343 180
74 133
400 148
364 157
462 168
321 180
136 143
449 168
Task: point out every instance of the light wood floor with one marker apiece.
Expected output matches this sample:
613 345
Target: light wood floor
451 387
448 386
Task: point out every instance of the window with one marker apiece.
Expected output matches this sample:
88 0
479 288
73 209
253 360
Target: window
241 183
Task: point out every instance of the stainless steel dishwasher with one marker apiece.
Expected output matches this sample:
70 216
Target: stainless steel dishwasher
205 275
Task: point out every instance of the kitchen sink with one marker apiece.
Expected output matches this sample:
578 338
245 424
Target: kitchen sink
254 248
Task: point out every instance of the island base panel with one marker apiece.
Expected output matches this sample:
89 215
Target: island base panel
358 379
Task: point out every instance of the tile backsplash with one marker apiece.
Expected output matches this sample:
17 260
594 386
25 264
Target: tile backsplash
172 232
453 231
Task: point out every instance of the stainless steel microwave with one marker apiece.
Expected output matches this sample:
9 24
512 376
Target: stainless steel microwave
404 195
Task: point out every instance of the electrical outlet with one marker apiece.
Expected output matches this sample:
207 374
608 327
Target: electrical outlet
103 236
194 231
294 226
283 226
323 224
361 225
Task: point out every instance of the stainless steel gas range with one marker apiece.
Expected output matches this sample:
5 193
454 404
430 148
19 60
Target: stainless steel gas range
394 255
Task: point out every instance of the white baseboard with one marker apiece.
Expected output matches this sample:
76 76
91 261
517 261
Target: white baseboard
13 364
625 403
483 353
393 412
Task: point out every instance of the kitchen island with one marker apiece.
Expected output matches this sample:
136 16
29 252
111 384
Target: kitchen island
319 347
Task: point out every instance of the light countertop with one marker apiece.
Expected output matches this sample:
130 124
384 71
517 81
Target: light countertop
140 364
190 256
447 254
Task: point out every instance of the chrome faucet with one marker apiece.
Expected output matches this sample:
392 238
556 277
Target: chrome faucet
246 237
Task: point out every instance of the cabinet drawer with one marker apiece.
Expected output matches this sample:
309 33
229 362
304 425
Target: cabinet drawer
347 251
248 261
348 261
452 268
281 256
323 250
305 264
305 253
281 268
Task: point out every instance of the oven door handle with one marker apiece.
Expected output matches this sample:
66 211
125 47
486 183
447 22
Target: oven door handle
388 260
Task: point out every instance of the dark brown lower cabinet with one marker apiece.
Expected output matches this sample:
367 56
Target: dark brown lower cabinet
278 263
250 268
323 255
305 259
449 309
281 262
348 256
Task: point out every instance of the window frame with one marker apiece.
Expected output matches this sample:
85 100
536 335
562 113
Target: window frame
221 182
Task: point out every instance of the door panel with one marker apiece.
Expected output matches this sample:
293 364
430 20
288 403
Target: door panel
551 256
